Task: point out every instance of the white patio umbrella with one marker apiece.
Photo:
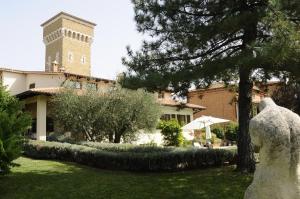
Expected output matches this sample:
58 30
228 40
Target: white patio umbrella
204 122
207 133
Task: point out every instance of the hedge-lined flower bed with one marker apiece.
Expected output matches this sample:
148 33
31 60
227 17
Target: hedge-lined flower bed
177 159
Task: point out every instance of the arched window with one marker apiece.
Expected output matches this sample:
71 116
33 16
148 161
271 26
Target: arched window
86 39
74 35
82 38
70 57
66 32
69 33
57 57
83 60
78 36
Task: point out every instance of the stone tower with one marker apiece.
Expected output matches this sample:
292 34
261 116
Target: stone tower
68 42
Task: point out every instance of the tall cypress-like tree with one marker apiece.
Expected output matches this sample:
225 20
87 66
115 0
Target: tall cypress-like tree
196 42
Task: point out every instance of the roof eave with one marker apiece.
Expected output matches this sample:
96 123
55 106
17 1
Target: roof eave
69 15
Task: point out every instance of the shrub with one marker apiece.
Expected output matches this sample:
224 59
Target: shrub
126 147
218 131
61 137
13 123
172 160
231 131
171 131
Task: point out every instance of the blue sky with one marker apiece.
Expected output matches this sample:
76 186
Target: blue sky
21 45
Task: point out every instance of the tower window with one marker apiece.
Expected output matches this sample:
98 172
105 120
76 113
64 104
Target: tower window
57 57
70 57
83 60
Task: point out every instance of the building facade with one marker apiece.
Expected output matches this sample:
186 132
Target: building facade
222 101
68 42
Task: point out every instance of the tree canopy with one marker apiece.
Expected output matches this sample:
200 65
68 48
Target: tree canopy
109 115
197 42
288 95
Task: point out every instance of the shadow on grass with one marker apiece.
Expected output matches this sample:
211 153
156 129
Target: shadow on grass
51 179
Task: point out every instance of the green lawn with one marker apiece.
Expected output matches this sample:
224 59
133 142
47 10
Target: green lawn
52 179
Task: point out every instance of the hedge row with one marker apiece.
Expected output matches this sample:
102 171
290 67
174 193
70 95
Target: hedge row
179 159
127 147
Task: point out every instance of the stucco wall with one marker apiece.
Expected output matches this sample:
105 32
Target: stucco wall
77 49
51 50
15 82
44 80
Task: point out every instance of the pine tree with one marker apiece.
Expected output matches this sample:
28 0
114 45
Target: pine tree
13 123
288 95
196 42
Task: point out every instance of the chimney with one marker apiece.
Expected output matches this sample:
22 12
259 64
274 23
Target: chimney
61 69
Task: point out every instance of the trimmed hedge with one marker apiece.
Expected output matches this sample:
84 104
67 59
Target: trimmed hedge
176 159
127 147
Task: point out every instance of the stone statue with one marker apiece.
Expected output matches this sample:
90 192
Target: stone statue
276 132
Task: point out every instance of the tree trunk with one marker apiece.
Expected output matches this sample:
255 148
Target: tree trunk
245 161
111 137
117 138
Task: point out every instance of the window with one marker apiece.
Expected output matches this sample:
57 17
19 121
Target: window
91 86
82 59
57 57
74 84
165 117
70 57
31 85
181 119
188 118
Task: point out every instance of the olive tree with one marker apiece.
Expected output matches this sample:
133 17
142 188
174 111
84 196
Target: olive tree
111 115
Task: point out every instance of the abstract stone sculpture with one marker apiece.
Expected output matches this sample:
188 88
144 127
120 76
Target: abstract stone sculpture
276 132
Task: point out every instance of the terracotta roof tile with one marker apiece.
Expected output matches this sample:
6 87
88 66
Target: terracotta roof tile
181 104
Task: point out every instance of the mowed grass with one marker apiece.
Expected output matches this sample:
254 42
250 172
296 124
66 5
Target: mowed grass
53 179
